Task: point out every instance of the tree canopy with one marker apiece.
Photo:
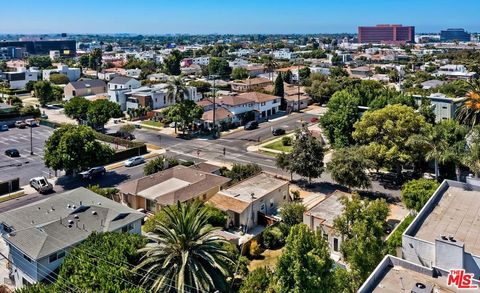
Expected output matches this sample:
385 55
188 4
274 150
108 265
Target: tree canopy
43 92
218 66
415 193
348 167
100 111
75 148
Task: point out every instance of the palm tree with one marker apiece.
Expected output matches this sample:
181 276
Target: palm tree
435 145
176 90
185 254
270 64
469 112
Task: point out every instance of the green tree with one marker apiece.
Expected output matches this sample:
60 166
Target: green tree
427 111
202 86
74 148
100 111
102 263
219 66
283 162
469 112
30 111
386 131
42 62
258 280
416 193
362 228
239 73
292 213
43 92
303 74
348 167
306 158
305 265
108 192
186 255
176 90
172 63
159 164
185 112
287 77
279 91
59 78
96 55
340 118
240 172
77 108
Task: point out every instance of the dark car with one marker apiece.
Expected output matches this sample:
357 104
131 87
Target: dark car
251 125
12 153
278 131
93 172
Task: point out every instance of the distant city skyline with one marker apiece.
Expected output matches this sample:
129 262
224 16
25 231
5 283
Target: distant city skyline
248 16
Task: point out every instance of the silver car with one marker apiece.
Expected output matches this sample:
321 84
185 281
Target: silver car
134 161
41 184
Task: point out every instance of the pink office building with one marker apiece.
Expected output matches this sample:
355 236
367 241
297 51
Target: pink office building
386 33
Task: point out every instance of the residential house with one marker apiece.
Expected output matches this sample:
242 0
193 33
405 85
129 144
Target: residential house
284 54
248 201
222 117
266 105
444 234
250 84
430 84
444 107
455 71
293 69
202 60
120 85
41 234
19 79
294 95
73 74
177 184
320 216
82 88
361 72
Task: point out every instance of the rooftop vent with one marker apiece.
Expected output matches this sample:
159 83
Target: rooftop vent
444 237
452 239
69 206
74 207
94 213
421 288
76 216
70 222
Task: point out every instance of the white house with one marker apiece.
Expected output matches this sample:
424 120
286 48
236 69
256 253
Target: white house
455 72
117 88
444 107
73 74
284 54
203 60
266 105
40 235
20 78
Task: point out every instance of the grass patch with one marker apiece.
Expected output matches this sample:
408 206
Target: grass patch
269 259
12 196
278 146
152 123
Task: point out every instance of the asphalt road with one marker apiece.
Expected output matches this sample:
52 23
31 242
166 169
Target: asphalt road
26 166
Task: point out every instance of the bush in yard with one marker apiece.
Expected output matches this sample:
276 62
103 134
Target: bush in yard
273 237
217 217
254 249
416 193
287 141
187 163
292 213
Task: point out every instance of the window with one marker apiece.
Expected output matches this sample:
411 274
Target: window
444 107
325 236
61 254
52 257
27 258
151 206
262 104
128 227
271 202
335 244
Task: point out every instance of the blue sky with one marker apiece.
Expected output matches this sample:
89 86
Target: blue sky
230 16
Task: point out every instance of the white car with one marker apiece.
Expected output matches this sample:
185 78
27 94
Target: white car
41 184
134 161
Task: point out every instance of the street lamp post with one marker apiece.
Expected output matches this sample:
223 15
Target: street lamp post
31 140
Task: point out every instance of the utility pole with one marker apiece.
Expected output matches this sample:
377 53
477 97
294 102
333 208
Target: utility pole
31 139
298 94
214 106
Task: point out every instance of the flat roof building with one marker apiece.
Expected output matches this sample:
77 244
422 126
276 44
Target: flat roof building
454 34
445 234
386 33
67 48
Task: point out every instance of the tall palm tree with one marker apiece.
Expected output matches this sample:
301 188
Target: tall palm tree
185 254
270 65
176 90
469 112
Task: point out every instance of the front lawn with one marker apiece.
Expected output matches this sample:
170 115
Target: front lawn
278 145
152 123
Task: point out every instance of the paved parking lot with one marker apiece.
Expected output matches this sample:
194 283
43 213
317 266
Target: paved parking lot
26 166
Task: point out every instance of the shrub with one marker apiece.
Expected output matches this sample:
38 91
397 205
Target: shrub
187 163
254 249
292 213
273 238
415 193
287 141
217 217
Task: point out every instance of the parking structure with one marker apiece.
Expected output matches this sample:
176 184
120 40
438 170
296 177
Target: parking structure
26 166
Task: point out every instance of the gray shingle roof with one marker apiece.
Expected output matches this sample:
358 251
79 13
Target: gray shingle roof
90 83
121 80
42 228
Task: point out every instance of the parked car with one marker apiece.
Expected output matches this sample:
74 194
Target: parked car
251 125
93 172
31 122
20 124
4 127
278 131
41 184
124 135
44 116
134 161
12 153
